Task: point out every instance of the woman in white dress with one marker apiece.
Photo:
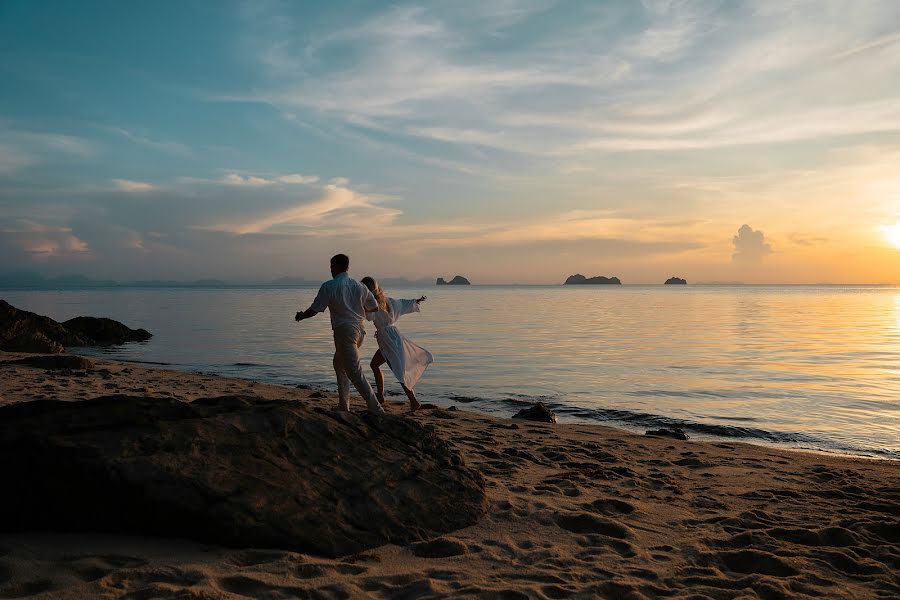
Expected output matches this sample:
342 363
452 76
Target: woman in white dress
407 360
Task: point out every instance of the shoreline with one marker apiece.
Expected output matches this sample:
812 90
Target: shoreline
474 404
575 510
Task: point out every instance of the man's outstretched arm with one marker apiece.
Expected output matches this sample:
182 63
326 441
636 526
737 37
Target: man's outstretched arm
318 305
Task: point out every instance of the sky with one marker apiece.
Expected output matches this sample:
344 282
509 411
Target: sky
510 141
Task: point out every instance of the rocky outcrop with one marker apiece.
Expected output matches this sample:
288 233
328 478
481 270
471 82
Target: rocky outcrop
676 281
233 470
578 279
103 332
458 280
24 331
536 412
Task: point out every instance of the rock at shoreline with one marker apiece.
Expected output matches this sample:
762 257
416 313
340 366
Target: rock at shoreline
579 279
34 342
675 433
103 332
233 470
676 281
55 362
24 331
458 280
537 412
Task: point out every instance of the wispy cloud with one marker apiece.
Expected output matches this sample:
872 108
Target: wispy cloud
127 185
43 242
337 209
167 146
22 148
233 179
618 78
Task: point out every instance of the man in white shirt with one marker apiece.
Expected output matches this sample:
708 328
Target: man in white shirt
347 300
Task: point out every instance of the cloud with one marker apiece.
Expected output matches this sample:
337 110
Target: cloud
169 147
613 77
750 247
255 181
297 179
40 242
337 209
127 185
249 181
20 148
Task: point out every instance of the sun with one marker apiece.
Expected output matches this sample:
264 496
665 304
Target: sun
892 234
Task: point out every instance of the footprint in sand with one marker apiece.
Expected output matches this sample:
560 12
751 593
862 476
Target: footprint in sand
255 588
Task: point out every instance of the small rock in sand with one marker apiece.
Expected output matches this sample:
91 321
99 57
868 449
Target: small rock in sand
439 548
57 361
537 412
674 433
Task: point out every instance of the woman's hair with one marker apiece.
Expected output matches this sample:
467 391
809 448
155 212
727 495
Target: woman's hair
376 290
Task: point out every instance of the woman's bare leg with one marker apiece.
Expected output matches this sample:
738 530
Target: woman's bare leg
414 403
376 363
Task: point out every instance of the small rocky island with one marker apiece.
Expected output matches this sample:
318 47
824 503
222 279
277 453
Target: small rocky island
23 331
676 281
458 280
580 279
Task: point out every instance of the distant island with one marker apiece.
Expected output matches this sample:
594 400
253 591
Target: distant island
676 281
580 279
458 280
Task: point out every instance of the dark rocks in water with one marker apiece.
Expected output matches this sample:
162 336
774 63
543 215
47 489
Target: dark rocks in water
579 279
57 361
458 280
674 433
102 331
676 281
536 412
233 470
24 331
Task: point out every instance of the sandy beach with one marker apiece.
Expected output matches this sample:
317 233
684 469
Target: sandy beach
577 511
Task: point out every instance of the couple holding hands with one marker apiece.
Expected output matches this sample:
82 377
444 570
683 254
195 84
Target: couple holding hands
351 302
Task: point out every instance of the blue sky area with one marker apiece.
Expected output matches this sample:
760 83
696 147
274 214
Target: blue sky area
509 141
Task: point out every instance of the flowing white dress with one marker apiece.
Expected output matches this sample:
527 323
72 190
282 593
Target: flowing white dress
407 360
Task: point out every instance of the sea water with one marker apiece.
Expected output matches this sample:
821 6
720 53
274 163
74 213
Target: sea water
814 367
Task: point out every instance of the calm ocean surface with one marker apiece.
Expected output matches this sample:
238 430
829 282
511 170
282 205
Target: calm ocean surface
807 367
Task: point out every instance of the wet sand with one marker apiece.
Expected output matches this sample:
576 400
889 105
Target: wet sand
575 511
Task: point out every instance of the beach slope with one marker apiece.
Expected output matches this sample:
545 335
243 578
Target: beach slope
573 511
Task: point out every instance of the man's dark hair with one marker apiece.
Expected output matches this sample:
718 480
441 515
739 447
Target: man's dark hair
341 261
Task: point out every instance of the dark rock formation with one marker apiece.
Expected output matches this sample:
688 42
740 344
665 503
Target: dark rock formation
537 412
233 470
578 279
458 280
674 433
61 361
102 332
23 331
35 342
676 281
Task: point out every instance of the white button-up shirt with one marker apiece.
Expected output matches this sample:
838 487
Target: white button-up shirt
346 299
